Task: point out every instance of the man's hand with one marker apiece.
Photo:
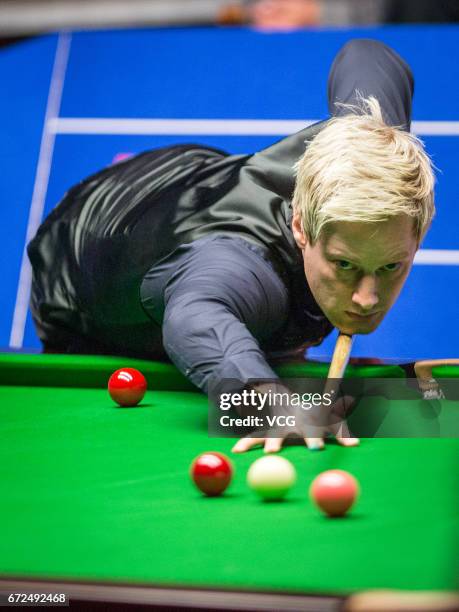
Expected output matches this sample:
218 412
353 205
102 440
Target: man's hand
310 429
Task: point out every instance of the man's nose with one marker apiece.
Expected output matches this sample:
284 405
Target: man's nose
366 293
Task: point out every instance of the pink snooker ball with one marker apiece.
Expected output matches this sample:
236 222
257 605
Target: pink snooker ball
334 492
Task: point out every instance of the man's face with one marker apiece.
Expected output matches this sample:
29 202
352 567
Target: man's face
356 270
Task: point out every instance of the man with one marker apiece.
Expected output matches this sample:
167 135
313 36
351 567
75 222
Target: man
204 257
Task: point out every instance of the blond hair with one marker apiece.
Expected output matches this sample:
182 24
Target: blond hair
358 168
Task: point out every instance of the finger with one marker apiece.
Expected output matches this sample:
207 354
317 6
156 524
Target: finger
348 441
314 443
272 445
343 435
244 444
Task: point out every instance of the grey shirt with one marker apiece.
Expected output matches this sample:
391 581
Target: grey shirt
218 299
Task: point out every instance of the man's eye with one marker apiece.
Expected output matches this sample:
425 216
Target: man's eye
344 265
391 267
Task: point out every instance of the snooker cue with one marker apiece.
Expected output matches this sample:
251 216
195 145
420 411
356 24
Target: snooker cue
341 356
338 364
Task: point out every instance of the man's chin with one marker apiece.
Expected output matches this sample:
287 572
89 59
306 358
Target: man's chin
359 327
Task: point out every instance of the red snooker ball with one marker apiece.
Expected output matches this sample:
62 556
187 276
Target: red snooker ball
127 386
334 492
211 473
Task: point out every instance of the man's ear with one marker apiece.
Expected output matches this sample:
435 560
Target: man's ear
298 231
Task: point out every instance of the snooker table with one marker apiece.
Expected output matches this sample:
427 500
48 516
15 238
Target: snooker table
97 501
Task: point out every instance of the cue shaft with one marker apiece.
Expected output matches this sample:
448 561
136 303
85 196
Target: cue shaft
341 356
338 364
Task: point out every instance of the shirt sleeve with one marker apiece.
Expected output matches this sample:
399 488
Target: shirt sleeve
220 303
